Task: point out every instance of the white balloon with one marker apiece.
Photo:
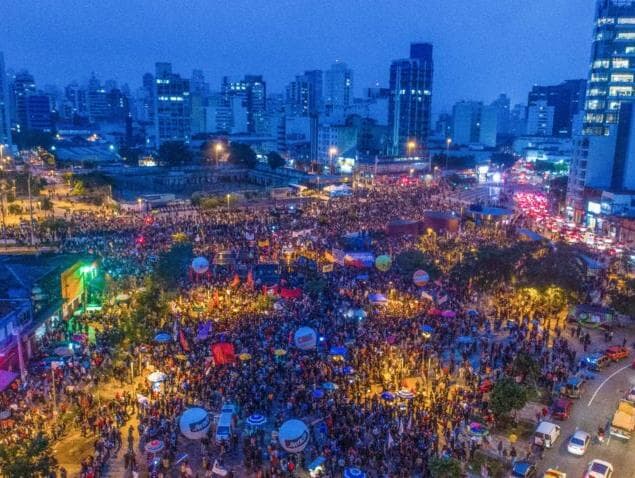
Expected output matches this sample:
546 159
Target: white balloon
305 338
194 423
294 436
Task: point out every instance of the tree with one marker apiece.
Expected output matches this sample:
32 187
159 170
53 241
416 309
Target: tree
173 264
622 298
14 209
275 161
27 458
526 367
242 154
78 188
410 260
555 267
175 153
507 396
46 204
444 467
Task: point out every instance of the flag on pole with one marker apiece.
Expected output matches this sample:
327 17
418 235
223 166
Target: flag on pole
183 341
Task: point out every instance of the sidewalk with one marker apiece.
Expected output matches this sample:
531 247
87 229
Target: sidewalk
73 448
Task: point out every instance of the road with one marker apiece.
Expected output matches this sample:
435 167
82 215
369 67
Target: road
593 410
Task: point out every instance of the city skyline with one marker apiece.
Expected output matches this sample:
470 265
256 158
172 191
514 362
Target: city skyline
504 50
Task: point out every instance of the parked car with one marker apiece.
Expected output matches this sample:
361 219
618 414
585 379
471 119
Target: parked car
617 353
524 469
596 361
561 408
574 387
546 434
599 469
579 443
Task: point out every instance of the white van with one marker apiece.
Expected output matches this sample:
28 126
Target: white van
546 434
224 427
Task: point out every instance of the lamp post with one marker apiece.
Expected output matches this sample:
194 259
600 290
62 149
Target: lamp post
411 146
448 142
218 149
228 196
332 152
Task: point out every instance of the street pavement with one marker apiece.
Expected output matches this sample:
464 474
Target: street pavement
594 409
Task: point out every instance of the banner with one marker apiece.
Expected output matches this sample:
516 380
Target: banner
223 353
339 256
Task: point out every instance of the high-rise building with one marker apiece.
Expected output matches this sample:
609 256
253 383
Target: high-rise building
97 100
467 122
246 98
567 99
338 86
22 86
256 103
518 120
172 109
540 119
488 130
38 112
502 105
410 104
304 94
603 159
5 121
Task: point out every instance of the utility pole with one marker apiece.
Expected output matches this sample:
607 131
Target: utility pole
28 182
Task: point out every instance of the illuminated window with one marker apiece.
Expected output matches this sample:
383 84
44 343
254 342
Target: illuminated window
595 77
629 49
594 105
621 91
597 92
594 118
622 78
601 63
614 105
626 36
611 118
605 21
626 21
620 63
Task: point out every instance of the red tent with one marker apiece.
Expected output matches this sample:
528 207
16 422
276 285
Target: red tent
223 353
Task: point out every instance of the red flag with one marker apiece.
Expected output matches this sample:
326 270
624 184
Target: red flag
183 341
235 281
223 353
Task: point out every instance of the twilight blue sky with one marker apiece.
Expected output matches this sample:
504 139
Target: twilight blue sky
482 47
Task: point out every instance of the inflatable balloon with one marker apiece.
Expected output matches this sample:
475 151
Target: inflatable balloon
383 263
200 265
420 278
305 338
293 436
194 423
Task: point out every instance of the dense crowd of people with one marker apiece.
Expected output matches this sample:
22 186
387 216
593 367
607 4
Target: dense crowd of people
404 386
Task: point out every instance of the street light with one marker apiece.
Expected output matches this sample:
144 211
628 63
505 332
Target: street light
448 142
411 146
332 152
228 196
218 149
